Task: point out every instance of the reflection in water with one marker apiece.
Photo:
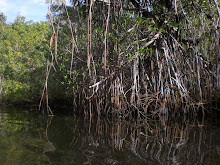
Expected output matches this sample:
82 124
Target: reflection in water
22 139
26 138
103 141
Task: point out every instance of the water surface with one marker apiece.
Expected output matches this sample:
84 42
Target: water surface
29 138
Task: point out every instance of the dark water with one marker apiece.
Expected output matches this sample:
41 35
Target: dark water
27 139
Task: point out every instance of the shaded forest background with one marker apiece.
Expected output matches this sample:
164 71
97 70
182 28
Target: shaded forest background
114 57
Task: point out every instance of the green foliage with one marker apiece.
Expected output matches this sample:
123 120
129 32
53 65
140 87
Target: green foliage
23 48
143 52
2 18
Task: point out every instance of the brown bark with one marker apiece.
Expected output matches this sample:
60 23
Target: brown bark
218 62
217 49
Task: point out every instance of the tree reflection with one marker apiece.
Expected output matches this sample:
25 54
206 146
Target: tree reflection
157 140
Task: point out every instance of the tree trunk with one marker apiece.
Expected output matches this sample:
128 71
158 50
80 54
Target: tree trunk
218 63
217 49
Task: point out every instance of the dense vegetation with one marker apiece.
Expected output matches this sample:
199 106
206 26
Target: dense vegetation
125 56
23 53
